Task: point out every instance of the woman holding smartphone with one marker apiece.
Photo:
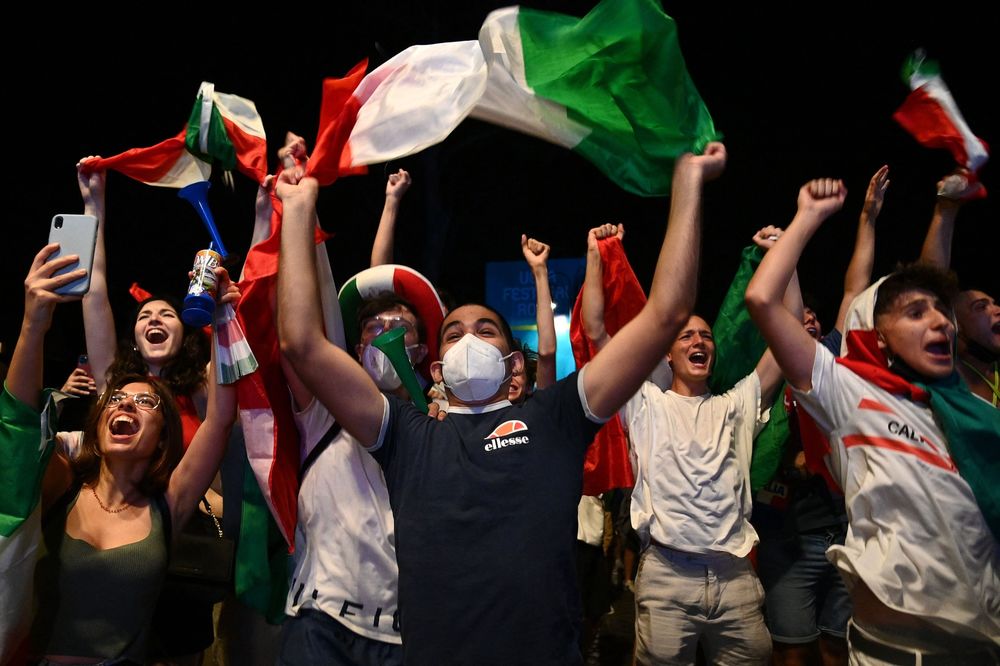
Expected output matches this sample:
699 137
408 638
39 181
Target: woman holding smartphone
162 347
106 538
105 532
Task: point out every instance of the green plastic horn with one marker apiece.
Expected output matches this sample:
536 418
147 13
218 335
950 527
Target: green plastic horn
392 345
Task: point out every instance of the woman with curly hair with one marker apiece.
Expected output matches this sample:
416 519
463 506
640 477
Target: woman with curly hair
160 346
106 538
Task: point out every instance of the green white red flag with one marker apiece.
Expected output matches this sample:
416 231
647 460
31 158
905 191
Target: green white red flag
611 86
932 117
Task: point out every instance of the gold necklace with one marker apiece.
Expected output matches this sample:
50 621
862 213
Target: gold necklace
124 506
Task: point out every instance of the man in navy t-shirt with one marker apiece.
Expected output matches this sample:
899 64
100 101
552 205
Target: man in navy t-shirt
485 501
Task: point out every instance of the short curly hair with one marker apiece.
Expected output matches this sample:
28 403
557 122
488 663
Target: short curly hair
916 276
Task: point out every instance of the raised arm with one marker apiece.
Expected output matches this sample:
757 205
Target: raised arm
98 321
592 302
336 379
395 188
200 463
768 372
617 371
791 345
536 253
24 377
952 191
859 270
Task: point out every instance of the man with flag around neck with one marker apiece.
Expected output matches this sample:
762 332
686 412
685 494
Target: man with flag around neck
485 534
907 446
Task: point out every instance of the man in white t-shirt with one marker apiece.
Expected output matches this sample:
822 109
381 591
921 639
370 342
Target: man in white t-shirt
691 501
343 594
921 564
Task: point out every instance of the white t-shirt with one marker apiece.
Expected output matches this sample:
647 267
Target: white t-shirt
345 556
692 489
916 536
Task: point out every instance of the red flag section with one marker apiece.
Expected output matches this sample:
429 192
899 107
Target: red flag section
338 112
607 463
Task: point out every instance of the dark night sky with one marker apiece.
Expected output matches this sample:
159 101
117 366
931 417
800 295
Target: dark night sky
797 95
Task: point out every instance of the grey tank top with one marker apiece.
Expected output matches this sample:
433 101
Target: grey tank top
97 603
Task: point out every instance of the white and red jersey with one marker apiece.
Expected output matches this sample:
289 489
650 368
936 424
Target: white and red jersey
916 536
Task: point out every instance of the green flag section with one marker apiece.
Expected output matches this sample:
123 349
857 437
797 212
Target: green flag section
972 427
738 348
25 449
226 129
612 86
261 576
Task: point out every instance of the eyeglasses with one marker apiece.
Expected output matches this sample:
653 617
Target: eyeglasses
146 401
379 324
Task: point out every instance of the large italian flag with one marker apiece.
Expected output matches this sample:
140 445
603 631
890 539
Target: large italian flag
611 86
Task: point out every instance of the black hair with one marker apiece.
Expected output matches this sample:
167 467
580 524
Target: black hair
918 275
388 300
530 362
508 334
185 373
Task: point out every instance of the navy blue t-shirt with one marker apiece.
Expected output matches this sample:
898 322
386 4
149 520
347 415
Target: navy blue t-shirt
485 511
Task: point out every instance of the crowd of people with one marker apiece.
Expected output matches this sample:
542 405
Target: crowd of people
459 534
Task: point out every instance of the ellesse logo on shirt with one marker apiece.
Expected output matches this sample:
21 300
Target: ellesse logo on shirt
505 435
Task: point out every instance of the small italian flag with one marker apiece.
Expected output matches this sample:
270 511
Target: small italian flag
166 164
226 130
612 86
223 128
931 115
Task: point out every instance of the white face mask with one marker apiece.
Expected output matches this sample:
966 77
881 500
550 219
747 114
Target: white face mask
474 369
380 368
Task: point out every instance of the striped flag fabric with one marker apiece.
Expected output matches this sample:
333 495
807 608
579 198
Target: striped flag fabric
611 86
26 445
607 464
409 103
271 483
166 164
223 129
234 358
226 129
932 117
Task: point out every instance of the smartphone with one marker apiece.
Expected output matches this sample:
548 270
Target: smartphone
76 234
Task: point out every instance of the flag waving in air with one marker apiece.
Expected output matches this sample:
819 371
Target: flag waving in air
611 86
931 115
223 129
227 130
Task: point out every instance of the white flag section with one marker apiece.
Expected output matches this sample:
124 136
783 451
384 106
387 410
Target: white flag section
415 100
508 100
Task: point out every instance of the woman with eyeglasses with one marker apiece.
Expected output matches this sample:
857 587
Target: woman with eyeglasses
159 345
105 538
